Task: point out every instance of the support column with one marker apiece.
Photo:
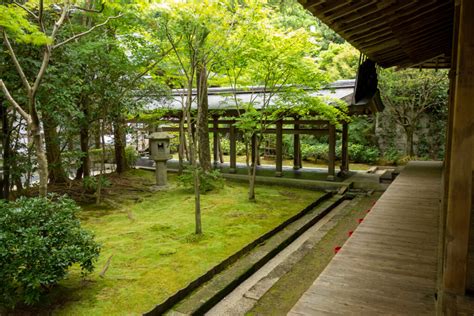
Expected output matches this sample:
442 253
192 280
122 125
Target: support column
345 148
332 153
215 134
459 164
296 149
279 149
232 153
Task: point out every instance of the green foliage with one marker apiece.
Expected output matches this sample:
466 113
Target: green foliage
340 61
131 156
225 146
411 97
91 184
357 152
40 238
317 151
14 21
209 181
361 153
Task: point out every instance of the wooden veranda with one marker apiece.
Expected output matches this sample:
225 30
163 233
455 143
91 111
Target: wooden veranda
424 34
389 264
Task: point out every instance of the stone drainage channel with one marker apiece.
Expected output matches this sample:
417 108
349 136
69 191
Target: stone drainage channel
234 286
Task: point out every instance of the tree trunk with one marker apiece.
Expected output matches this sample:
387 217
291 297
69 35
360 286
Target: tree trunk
202 119
84 168
38 140
102 163
182 145
119 145
253 173
97 141
409 148
6 142
193 156
53 152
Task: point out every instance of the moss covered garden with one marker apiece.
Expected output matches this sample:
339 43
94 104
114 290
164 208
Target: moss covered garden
148 241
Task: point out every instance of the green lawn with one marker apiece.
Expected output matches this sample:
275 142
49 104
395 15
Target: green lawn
153 248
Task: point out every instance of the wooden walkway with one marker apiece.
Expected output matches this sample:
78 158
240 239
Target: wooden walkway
388 266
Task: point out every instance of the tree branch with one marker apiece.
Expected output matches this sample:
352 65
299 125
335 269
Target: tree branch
16 63
26 9
60 22
91 10
88 31
12 101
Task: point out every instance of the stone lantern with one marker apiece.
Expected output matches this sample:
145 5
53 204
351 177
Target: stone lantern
160 153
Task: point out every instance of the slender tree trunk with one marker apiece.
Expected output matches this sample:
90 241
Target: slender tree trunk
193 156
38 141
182 144
6 142
253 173
84 168
97 135
102 163
409 147
119 145
202 119
53 152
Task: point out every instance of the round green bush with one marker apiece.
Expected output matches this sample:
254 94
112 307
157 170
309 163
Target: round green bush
40 238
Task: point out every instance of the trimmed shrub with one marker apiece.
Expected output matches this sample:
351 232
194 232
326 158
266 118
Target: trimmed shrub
363 154
40 238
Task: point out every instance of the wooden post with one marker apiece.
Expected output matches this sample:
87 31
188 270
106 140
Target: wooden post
279 149
233 152
296 149
345 148
459 164
444 204
332 153
215 141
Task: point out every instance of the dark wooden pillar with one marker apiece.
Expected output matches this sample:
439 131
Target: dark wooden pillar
233 152
345 148
296 149
332 153
279 149
215 148
459 163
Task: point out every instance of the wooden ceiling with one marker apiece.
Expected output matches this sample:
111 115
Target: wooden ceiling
405 33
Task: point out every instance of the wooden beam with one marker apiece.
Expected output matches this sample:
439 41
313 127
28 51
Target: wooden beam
279 150
296 149
345 148
332 153
460 156
215 149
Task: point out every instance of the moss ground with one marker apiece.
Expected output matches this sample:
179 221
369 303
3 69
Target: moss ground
154 252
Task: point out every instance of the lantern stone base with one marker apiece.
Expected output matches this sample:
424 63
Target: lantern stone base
161 173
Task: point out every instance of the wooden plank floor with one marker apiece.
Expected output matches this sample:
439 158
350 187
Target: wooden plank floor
389 264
